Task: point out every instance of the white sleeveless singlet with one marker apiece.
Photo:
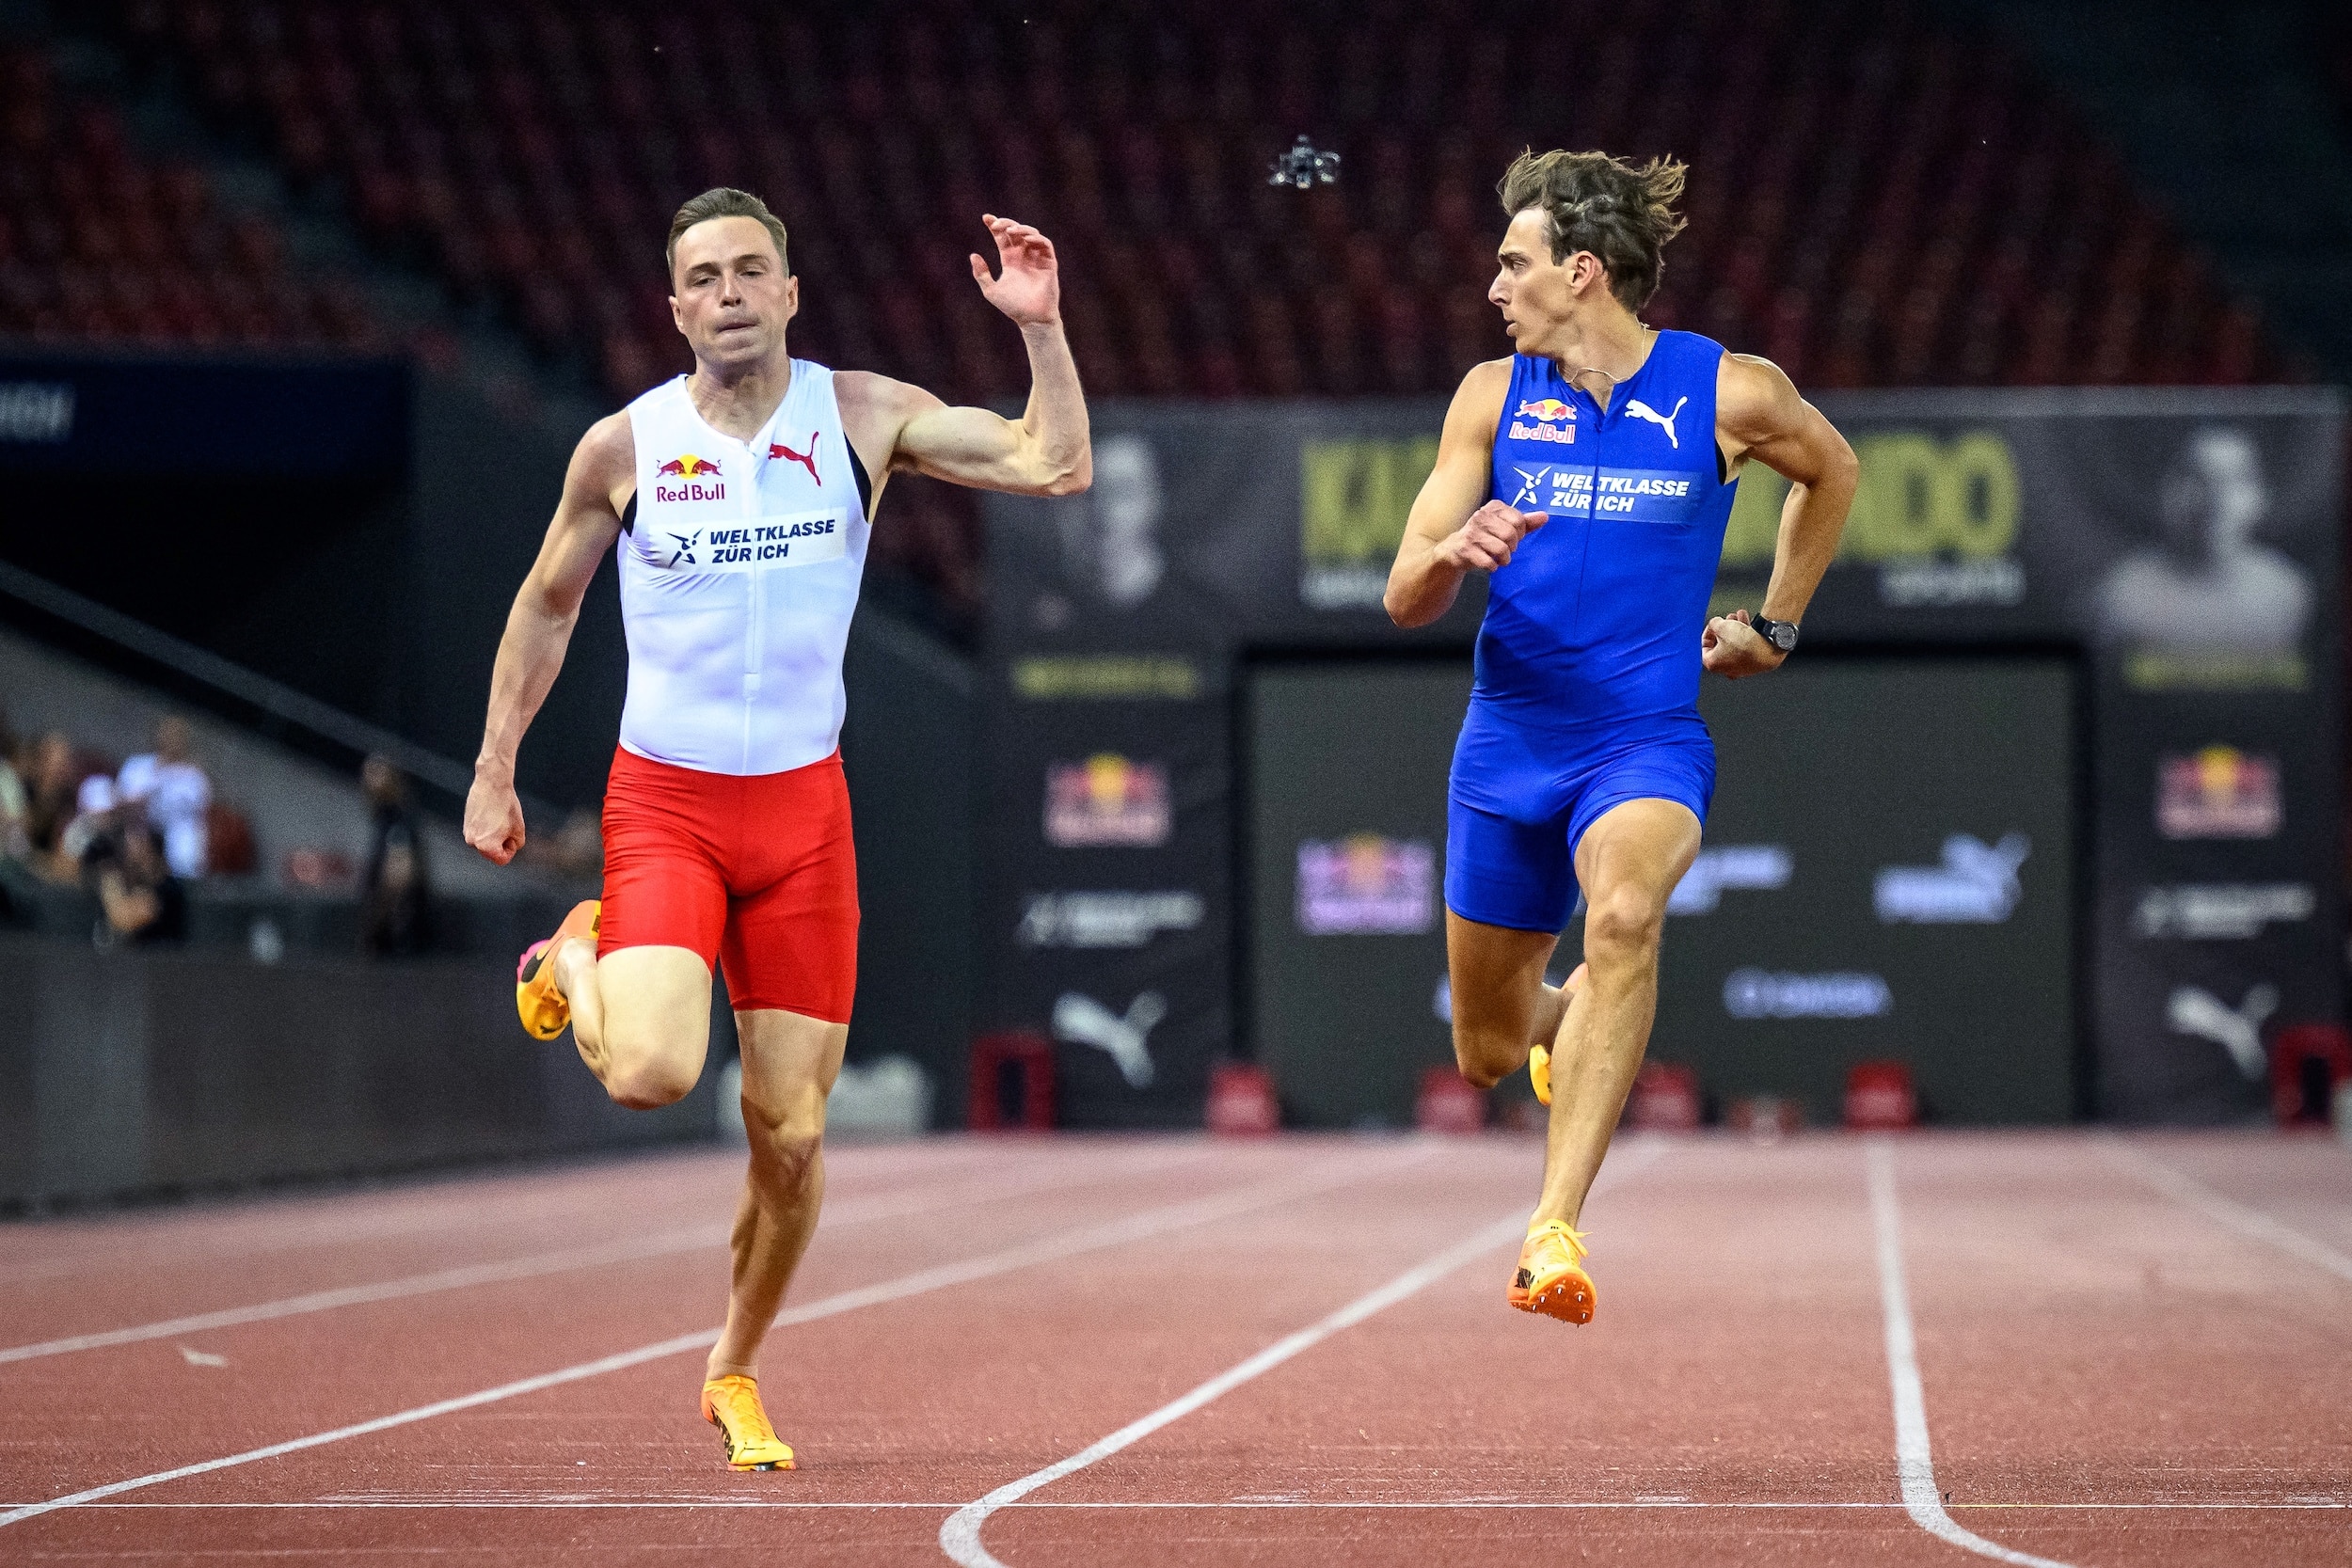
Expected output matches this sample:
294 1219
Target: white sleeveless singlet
739 575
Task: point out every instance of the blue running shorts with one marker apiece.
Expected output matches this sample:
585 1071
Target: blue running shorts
1512 829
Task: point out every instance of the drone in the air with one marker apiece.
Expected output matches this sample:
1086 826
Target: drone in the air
1302 166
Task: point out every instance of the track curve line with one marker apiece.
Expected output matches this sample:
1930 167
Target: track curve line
1915 1462
960 1536
2226 1212
1140 1226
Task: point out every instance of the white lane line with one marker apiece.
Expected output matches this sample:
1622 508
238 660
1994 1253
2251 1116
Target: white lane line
292 1224
569 1258
562 1503
1913 1461
960 1536
1137 1227
2226 1212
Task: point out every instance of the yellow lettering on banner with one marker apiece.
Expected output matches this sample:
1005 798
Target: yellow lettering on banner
1100 677
1984 511
1919 498
1754 529
1353 496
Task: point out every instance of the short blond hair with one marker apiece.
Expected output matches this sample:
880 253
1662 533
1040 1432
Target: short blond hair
724 201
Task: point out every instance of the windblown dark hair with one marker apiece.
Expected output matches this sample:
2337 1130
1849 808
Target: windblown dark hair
1622 213
724 201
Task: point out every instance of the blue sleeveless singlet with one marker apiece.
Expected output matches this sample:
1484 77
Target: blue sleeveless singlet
1588 658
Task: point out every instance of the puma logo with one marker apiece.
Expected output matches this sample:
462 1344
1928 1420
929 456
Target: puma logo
805 459
1125 1039
2237 1030
1641 410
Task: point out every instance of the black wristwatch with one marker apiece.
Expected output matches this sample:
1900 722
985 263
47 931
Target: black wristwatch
1780 634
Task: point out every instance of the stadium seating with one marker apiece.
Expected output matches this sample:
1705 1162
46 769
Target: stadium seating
1874 198
1874 201
99 245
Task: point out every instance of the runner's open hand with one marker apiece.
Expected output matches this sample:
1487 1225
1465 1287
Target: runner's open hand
1030 288
1732 648
494 820
1485 543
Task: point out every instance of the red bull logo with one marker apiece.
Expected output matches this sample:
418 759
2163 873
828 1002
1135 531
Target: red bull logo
692 471
1549 415
2219 792
1106 799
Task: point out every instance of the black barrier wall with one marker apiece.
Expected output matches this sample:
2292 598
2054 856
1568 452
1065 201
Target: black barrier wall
140 1073
2179 542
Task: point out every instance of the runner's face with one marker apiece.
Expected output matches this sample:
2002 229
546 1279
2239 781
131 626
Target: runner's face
1535 293
732 298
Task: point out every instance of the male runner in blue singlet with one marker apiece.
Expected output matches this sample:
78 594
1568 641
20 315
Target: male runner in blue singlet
1583 761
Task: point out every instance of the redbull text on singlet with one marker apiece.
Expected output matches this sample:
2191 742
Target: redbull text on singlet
739 579
1593 627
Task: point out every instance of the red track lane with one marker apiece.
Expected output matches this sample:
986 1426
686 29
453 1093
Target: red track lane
924 1401
299 1375
2086 1338
262 1252
2304 1182
2083 1336
131 1260
1736 1358
91 1248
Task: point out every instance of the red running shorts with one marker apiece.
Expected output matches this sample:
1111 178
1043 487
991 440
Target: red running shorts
756 874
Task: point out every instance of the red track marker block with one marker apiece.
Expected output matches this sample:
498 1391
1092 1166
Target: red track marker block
1447 1104
1033 1054
1241 1100
1665 1099
2300 1053
1878 1097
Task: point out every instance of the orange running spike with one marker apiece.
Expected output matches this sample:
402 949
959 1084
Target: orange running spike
731 1403
1552 1280
543 1010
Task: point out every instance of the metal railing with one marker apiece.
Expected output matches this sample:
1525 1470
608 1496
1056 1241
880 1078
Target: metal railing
280 704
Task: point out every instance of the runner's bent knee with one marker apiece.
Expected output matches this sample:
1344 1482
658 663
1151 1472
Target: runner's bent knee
657 1023
646 1072
1485 1057
1627 920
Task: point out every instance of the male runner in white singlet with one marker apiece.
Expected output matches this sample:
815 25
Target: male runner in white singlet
739 498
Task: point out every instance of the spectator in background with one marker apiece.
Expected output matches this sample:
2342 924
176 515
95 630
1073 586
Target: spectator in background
15 803
176 794
16 845
141 900
395 898
575 851
50 804
98 818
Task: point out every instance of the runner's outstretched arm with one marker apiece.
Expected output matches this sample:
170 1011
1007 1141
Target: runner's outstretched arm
1047 451
1449 534
1761 416
539 627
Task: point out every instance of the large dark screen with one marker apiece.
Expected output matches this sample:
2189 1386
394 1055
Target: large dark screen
1889 873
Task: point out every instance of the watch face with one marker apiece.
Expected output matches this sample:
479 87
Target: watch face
1783 636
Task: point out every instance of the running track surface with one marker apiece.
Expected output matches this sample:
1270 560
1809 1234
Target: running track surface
2118 1349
